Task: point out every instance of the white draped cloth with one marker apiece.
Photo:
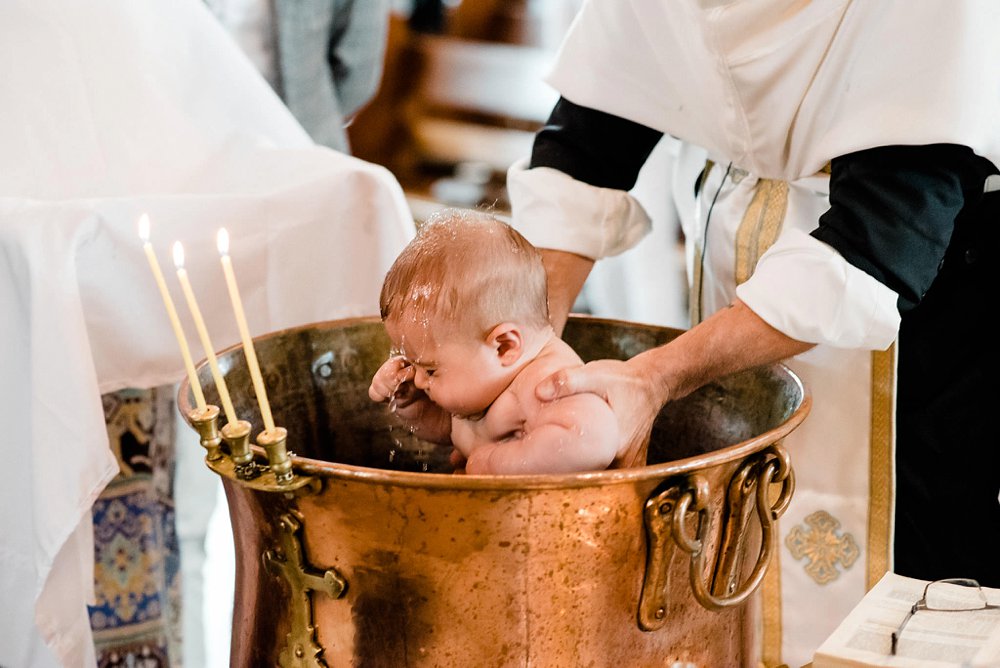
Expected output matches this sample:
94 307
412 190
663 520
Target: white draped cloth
109 109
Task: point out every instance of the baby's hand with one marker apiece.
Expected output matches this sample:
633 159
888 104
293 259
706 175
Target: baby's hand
393 384
393 379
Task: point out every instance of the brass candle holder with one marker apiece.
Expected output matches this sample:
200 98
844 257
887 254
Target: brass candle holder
237 437
230 452
206 423
280 462
237 461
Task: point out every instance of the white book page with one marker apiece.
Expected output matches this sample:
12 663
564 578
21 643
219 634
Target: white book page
931 639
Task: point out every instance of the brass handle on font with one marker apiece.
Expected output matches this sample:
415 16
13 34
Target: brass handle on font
666 519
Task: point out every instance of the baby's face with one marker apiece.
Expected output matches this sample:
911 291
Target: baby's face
461 375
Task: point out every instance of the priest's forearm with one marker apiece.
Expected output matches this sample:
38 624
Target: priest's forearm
566 273
731 340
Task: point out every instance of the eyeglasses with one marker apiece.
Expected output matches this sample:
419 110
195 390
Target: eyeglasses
939 598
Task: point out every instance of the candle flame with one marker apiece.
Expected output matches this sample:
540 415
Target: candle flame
178 255
144 227
222 241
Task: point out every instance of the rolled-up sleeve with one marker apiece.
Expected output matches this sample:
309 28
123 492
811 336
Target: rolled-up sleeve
572 194
553 210
806 290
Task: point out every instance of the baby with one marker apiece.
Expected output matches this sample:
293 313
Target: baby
465 306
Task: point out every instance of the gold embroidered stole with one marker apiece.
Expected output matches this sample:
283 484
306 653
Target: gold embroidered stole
881 488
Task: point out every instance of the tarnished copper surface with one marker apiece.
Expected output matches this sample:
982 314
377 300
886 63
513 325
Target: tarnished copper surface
467 571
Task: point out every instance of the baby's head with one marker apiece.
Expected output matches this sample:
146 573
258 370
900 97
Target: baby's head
464 303
464 273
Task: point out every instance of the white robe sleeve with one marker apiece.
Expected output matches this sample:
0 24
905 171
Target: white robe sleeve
837 304
555 211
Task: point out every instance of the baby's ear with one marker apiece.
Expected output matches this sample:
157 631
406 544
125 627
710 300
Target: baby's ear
508 341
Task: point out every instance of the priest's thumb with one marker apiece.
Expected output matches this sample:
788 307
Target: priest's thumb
555 386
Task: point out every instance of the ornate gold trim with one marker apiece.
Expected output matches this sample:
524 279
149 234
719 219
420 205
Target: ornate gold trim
822 547
881 462
760 226
771 622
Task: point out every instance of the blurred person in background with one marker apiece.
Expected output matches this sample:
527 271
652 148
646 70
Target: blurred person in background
323 58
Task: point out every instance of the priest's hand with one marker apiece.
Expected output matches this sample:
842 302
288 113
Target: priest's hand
629 387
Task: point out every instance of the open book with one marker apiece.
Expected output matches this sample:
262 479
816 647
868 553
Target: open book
931 639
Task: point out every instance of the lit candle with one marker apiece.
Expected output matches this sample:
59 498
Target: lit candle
154 265
222 240
206 343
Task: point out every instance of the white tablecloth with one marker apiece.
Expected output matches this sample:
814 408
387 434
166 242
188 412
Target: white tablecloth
109 109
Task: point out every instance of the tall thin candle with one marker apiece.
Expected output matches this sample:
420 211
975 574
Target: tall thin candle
206 343
168 302
222 240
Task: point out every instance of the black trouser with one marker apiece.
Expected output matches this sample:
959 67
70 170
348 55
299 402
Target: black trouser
948 412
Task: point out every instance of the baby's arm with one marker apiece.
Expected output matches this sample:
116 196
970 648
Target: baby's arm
578 433
393 383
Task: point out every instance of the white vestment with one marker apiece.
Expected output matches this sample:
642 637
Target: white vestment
109 109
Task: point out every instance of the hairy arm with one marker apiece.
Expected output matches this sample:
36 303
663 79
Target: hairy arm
566 274
733 339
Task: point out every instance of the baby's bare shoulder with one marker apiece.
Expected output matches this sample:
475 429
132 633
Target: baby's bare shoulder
556 356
